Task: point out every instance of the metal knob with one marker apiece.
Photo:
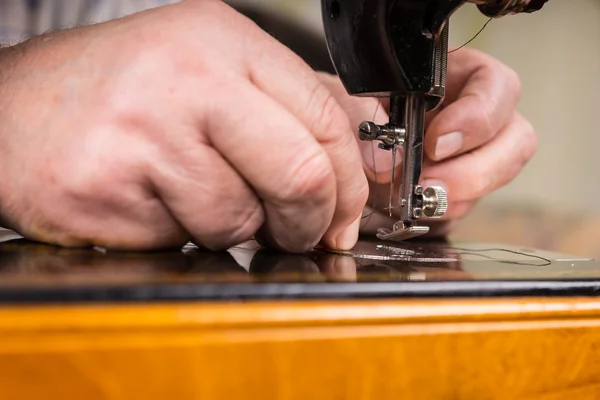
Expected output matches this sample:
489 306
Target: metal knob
435 202
368 131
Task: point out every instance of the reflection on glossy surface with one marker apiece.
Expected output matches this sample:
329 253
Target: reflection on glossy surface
432 252
23 263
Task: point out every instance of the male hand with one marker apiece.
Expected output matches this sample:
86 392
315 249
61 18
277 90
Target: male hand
475 142
186 122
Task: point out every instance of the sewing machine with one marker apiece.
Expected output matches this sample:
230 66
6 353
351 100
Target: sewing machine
399 49
406 320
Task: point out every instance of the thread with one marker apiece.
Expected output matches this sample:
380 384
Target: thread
473 38
475 252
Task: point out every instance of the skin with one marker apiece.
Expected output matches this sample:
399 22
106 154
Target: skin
147 132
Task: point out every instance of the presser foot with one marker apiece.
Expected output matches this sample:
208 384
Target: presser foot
402 232
432 202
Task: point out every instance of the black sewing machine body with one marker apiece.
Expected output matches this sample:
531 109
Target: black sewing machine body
388 48
392 47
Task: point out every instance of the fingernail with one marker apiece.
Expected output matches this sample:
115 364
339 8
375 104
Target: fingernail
448 144
378 160
349 236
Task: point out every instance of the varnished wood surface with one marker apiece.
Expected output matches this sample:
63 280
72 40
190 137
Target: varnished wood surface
433 349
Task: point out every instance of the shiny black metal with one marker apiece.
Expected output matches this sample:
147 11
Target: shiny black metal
386 47
497 8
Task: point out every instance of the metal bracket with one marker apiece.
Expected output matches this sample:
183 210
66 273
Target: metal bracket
402 233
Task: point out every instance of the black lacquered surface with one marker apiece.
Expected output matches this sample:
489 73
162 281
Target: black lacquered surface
37 273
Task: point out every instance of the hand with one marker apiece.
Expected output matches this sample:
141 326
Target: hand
475 142
182 122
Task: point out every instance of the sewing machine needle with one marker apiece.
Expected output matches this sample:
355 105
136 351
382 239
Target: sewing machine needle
391 202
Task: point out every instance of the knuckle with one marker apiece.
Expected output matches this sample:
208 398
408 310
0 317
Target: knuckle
512 80
83 187
359 200
353 198
480 186
329 120
246 225
483 119
313 177
90 188
529 141
509 76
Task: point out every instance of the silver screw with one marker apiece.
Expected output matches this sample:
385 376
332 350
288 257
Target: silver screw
368 131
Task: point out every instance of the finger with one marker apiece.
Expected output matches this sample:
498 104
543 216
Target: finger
338 268
277 266
279 158
120 216
482 95
477 173
376 162
98 203
205 194
286 78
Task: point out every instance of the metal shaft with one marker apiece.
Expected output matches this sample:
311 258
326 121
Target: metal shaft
397 107
414 116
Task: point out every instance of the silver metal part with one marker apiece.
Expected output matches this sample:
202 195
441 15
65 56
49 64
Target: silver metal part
390 136
440 68
392 181
406 129
400 232
412 162
375 250
435 202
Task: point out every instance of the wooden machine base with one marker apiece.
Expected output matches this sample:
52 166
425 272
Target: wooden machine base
528 348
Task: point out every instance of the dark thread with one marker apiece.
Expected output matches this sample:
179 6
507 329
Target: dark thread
474 37
475 252
376 211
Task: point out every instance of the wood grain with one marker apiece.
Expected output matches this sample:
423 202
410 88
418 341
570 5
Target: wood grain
434 349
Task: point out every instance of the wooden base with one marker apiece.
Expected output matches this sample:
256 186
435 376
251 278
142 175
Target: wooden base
425 349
